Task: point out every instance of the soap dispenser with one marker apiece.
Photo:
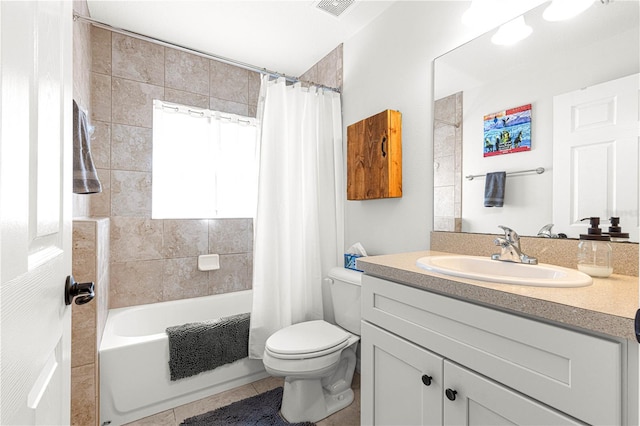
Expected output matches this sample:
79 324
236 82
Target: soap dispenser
615 230
594 251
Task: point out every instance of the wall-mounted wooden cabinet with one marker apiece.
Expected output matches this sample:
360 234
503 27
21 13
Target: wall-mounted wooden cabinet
374 157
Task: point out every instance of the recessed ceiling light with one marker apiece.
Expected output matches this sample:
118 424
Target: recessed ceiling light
512 32
560 10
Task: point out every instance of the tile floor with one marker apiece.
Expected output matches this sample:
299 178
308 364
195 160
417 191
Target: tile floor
349 416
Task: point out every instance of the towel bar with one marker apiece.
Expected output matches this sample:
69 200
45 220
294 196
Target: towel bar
539 171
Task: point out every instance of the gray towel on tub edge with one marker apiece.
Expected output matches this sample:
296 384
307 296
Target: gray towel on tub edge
203 346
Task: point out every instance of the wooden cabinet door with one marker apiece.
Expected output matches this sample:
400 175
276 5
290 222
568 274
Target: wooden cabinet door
374 157
472 399
401 382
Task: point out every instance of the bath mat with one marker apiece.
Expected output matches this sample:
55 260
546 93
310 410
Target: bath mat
203 346
259 410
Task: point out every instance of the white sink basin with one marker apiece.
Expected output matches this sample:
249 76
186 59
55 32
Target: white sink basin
486 269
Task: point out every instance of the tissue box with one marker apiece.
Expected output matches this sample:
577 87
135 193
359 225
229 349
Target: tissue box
350 261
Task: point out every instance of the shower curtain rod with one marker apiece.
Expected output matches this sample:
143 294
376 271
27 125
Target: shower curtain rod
78 17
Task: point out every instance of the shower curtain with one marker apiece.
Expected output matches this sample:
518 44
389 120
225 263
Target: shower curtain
298 229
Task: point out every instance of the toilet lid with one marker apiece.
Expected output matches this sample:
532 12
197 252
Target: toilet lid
306 337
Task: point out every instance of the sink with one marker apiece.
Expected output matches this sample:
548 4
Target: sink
495 271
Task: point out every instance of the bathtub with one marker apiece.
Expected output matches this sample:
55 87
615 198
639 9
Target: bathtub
134 357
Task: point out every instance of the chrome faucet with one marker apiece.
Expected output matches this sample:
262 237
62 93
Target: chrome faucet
510 248
546 232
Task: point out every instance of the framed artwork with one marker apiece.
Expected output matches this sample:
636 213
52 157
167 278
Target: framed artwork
507 131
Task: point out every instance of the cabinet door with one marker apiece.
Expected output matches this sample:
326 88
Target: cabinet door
401 382
471 399
374 157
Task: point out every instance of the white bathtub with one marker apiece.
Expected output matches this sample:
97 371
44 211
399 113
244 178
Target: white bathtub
134 357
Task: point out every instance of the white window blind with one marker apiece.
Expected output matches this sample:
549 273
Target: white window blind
204 163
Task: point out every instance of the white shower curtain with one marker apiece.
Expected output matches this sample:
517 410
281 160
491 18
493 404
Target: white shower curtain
299 223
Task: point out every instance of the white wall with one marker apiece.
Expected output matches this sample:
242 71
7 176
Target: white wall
388 65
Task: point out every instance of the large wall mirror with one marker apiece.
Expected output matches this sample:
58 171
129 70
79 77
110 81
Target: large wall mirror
564 70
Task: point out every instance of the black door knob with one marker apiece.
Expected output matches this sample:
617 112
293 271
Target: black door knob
83 292
426 380
451 394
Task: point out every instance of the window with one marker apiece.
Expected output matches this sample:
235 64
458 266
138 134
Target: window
204 163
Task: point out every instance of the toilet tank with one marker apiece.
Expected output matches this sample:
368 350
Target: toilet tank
345 295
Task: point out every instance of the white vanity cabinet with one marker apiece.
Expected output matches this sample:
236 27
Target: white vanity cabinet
435 360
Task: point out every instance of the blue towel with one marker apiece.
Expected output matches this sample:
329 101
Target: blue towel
494 189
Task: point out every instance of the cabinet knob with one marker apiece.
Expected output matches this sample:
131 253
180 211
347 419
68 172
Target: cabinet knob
451 394
426 380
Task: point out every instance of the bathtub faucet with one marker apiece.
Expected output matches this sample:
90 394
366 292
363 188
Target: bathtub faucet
510 248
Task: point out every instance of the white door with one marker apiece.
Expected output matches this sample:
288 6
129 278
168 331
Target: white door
35 227
595 156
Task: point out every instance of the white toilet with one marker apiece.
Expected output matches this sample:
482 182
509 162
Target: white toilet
316 358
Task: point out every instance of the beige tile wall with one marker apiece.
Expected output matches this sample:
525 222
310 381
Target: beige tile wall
156 260
90 262
81 83
328 71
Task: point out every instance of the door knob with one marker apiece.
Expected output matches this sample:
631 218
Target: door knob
83 292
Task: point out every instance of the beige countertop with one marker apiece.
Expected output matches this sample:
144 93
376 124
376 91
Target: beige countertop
607 306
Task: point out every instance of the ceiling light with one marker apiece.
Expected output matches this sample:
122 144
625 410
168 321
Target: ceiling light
481 13
560 10
512 32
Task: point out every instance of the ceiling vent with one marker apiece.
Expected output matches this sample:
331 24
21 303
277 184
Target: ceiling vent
334 7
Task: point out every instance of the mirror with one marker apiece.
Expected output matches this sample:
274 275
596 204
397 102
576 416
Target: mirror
480 78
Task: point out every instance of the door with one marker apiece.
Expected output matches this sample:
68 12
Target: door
401 382
471 399
595 150
35 227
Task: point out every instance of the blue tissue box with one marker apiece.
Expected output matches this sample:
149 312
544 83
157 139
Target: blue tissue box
350 261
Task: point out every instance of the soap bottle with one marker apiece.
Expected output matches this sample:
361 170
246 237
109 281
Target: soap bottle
594 251
615 230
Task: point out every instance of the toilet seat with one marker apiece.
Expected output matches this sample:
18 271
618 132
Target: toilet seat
307 340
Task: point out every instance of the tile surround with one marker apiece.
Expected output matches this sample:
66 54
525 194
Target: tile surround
186 72
447 161
186 98
90 253
131 148
138 260
154 260
132 102
137 60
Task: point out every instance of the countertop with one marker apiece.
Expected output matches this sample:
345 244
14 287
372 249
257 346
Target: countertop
607 306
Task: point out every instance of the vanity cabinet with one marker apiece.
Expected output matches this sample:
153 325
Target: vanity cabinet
405 384
435 360
374 157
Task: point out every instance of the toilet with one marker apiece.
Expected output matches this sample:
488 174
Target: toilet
317 359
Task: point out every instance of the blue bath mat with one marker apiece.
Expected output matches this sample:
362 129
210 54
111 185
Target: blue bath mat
259 410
